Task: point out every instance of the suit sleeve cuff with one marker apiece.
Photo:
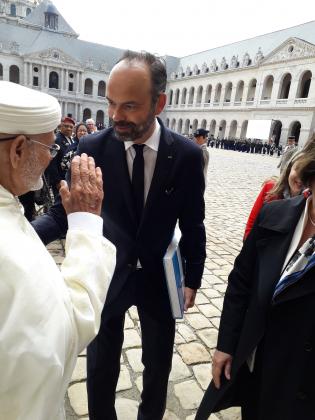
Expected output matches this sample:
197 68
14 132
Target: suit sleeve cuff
86 221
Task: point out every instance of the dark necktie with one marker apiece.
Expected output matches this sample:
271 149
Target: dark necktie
138 179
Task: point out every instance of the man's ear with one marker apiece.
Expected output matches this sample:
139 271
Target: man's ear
160 104
17 150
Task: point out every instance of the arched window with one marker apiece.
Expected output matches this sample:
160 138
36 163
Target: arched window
100 118
267 88
285 86
13 10
88 87
228 92
251 90
176 96
173 124
194 125
1 72
222 127
204 124
86 114
208 94
199 95
304 85
191 96
217 94
239 91
212 127
28 11
184 94
276 131
233 128
167 122
101 91
244 129
187 127
53 80
180 126
14 74
170 97
295 130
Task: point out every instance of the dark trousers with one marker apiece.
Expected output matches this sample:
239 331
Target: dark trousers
103 354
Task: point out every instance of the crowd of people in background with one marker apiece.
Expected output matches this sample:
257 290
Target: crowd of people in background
245 145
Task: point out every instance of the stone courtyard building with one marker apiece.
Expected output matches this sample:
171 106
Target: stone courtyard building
268 77
40 50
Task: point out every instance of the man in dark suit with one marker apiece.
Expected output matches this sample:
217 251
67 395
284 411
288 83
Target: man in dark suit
58 167
153 179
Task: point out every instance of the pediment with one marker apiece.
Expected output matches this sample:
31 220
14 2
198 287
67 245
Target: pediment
54 56
291 49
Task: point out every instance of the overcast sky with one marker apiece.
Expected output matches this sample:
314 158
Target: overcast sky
180 27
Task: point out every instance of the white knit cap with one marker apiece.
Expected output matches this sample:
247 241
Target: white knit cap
27 111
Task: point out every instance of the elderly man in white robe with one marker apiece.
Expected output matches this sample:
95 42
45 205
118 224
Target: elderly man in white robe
47 315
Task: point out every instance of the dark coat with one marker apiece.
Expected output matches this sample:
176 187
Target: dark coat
57 168
176 193
284 331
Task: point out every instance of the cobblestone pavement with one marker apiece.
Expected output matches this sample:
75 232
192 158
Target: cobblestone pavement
234 180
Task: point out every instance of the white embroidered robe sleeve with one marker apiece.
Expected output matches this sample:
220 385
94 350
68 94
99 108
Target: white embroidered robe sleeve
47 316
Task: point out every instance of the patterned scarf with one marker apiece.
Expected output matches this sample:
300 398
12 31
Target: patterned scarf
301 262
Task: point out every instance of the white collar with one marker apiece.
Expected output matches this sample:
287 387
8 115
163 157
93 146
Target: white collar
152 142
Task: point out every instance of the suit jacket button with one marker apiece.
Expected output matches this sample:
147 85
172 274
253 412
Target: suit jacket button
301 395
308 346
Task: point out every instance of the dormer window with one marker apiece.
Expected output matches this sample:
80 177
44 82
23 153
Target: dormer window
51 21
13 10
51 18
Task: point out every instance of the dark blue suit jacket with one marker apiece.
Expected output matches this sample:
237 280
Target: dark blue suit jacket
176 193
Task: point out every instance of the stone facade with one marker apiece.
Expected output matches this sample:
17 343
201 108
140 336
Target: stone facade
79 85
223 96
266 77
17 8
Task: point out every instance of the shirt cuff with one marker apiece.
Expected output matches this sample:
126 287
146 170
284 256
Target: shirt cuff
86 221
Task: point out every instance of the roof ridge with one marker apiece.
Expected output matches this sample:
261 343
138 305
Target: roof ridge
247 39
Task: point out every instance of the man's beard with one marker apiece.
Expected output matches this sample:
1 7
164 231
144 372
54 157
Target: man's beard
136 131
38 184
32 183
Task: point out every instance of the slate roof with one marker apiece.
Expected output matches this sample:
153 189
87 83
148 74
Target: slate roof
32 37
32 40
267 42
37 17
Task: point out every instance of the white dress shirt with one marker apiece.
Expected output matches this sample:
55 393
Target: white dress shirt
150 150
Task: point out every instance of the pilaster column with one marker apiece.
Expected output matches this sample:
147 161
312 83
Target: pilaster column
42 77
61 86
6 73
77 82
30 78
82 83
47 76
25 74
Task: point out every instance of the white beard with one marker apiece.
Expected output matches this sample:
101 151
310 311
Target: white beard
38 184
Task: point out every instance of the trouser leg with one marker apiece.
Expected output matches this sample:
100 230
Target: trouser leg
157 352
103 367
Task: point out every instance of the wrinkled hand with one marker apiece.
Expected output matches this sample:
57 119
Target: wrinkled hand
221 362
86 188
189 297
